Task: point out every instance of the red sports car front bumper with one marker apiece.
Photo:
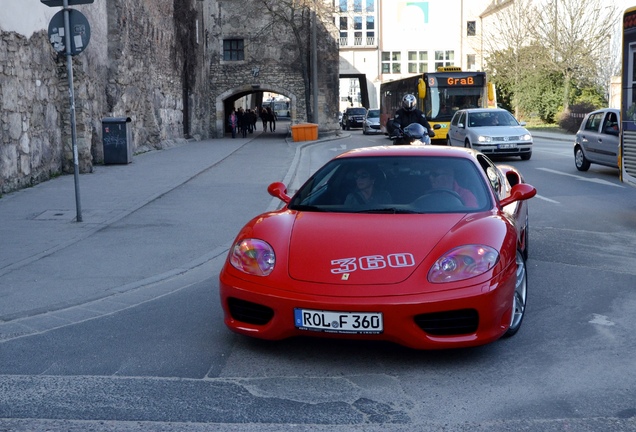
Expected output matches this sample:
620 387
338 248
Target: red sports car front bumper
467 316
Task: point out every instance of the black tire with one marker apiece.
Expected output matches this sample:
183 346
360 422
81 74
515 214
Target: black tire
526 156
581 162
520 296
467 144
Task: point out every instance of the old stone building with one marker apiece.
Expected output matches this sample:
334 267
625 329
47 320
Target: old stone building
270 58
163 66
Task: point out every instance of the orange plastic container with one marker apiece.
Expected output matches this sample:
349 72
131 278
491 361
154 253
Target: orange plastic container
304 132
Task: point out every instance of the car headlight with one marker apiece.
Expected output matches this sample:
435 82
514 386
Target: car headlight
462 263
484 139
526 137
253 256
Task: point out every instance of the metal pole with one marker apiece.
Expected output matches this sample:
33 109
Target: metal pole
69 68
314 65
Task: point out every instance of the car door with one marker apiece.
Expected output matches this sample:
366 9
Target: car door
607 141
457 132
590 136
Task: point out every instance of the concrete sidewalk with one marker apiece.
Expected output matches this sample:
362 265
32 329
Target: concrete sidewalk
163 215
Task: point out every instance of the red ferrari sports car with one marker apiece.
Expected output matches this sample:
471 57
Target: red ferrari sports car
422 246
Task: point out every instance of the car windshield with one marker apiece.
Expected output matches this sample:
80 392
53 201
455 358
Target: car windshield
396 185
357 111
491 118
373 113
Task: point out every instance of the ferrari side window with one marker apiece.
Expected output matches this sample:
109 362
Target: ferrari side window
493 175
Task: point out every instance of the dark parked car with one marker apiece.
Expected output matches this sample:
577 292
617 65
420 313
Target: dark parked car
597 139
353 117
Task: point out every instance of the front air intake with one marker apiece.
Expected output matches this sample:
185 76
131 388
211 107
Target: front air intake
450 323
248 312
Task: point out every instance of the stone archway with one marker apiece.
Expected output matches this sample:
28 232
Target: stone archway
244 90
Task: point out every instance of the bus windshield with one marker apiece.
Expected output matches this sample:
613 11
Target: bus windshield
443 102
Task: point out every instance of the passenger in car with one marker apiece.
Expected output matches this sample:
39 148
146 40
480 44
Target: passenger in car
366 191
443 178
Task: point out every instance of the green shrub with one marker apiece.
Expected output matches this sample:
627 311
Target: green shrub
571 119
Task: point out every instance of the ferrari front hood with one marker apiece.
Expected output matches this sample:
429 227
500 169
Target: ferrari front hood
337 248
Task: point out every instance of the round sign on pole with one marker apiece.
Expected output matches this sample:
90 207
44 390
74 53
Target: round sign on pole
79 29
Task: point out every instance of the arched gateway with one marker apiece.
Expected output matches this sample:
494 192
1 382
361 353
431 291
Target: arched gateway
227 98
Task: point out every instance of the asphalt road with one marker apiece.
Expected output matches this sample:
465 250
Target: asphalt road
168 364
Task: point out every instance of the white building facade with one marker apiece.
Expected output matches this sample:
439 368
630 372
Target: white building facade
384 40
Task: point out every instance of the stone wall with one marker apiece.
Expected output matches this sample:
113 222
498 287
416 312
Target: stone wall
159 65
272 63
137 65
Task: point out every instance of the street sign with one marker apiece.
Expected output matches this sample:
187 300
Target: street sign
80 31
55 3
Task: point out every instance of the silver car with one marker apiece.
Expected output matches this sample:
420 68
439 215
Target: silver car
492 131
597 139
371 123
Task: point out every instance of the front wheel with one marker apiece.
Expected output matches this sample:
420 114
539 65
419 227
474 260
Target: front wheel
520 296
467 144
526 156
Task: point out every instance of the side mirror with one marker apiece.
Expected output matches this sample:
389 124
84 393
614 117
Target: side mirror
279 190
519 192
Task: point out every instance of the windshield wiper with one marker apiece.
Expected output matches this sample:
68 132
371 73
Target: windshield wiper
388 210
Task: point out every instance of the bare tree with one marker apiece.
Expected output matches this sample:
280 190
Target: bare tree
294 16
578 33
506 40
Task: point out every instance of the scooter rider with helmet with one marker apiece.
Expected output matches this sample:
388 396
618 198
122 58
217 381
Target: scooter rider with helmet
407 114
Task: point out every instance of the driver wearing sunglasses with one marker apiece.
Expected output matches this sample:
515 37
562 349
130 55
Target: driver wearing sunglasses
366 192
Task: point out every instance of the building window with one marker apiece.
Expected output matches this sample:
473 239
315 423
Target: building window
356 22
343 31
417 61
470 62
233 50
444 58
357 34
391 62
370 30
471 28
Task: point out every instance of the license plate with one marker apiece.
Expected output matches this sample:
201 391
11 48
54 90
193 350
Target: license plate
339 322
507 146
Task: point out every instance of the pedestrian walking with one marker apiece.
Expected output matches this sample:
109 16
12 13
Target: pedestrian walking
271 117
243 121
253 118
233 122
264 118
